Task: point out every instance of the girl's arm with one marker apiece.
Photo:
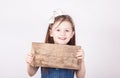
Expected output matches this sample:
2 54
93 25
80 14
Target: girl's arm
30 69
81 72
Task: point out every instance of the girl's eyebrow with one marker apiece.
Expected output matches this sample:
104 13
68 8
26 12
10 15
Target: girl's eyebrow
56 27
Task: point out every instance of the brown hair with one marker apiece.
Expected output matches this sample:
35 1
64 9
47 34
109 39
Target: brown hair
60 18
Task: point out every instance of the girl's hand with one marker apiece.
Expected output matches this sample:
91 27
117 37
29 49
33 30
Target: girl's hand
29 58
30 69
80 54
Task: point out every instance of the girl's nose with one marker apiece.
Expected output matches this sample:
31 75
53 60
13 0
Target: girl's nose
62 33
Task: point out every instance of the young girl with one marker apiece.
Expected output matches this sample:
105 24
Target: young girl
60 31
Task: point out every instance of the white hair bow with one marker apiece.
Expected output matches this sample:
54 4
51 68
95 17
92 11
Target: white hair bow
55 14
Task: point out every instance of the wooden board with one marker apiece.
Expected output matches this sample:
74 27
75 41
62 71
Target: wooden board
55 55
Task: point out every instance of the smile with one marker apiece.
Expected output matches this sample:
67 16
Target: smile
62 38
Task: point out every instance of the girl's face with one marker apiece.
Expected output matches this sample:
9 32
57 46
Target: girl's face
62 33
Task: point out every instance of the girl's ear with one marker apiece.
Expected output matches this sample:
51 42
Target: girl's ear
51 34
72 34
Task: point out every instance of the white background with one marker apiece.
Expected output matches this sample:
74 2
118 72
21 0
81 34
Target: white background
97 28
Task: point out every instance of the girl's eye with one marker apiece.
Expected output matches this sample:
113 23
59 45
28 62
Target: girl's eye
58 29
67 30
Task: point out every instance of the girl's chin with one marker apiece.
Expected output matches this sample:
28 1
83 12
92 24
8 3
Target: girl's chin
61 43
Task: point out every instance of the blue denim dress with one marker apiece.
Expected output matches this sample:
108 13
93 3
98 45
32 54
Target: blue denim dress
57 73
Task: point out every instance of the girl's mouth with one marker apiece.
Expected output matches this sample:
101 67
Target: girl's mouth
62 38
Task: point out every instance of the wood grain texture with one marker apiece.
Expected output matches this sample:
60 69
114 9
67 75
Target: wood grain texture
55 55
